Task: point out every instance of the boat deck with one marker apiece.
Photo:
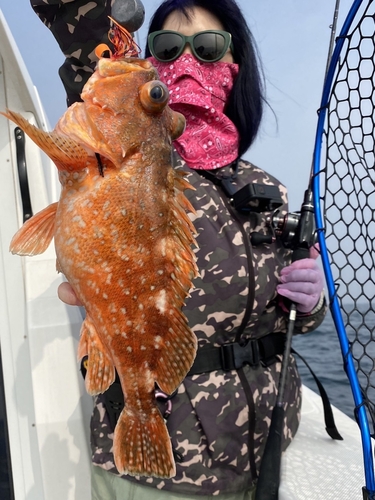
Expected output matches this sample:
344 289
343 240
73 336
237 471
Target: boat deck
318 467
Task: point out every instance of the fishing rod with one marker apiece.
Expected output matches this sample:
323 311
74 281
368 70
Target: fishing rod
269 473
344 159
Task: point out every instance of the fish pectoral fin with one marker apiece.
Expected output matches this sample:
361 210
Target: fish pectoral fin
100 370
142 446
36 234
61 149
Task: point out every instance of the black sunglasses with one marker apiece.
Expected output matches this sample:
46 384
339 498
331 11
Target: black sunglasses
207 46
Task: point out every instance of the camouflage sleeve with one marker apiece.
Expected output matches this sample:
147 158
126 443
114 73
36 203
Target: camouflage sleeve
306 323
78 27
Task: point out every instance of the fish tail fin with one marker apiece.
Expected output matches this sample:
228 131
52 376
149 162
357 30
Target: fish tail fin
61 149
36 234
142 446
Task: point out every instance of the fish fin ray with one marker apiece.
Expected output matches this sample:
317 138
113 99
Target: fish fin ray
177 353
34 237
61 149
142 446
100 369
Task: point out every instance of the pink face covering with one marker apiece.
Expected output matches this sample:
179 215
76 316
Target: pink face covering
200 91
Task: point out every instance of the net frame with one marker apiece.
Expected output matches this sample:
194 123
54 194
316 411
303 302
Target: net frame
344 198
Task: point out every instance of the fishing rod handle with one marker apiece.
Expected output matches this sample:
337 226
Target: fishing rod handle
269 476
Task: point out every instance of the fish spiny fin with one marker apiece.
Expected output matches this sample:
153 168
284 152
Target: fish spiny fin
36 234
143 446
100 370
178 344
61 149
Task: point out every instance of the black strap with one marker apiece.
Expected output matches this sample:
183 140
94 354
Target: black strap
22 173
328 415
228 357
234 355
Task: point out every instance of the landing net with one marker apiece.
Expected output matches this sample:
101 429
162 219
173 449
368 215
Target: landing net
347 195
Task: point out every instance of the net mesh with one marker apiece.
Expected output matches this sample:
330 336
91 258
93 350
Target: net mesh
348 194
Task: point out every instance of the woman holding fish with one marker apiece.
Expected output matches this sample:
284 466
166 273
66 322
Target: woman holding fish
218 417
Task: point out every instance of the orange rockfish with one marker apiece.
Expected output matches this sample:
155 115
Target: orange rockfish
123 240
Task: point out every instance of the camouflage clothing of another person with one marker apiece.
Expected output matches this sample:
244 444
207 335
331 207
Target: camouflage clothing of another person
78 28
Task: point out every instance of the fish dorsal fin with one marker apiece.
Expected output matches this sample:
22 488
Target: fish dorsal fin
36 234
62 150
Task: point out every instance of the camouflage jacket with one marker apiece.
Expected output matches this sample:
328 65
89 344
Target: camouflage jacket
219 419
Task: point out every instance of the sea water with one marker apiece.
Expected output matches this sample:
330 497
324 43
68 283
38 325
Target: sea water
322 351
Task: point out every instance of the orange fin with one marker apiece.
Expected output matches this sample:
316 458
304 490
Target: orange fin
36 234
100 370
62 150
143 446
177 353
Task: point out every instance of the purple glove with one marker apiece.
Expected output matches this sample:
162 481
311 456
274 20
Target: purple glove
302 282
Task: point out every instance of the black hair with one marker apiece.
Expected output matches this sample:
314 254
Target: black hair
246 101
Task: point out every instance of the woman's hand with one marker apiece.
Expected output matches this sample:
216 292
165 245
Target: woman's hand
302 282
67 295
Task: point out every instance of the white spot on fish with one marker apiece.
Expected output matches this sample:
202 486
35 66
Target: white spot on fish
105 296
161 300
79 220
163 246
129 349
123 310
123 212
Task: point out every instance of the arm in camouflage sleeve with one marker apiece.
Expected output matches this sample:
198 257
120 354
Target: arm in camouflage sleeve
78 27
310 322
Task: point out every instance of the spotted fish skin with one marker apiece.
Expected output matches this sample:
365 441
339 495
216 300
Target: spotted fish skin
124 242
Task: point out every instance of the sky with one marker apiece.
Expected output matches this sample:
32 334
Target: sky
293 40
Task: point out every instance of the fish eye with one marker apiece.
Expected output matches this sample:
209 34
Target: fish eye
154 96
157 93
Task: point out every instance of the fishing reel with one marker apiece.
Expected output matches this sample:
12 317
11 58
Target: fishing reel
293 231
282 227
